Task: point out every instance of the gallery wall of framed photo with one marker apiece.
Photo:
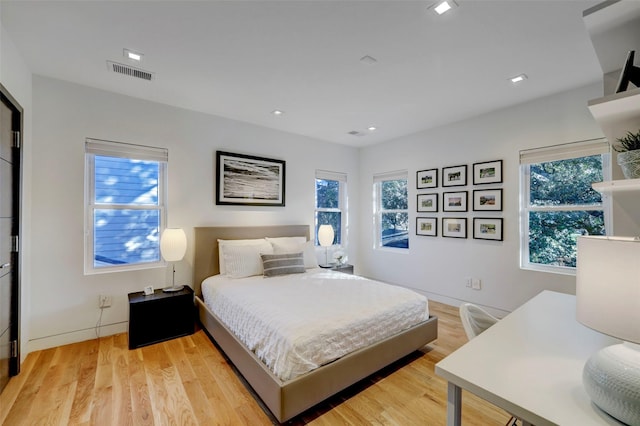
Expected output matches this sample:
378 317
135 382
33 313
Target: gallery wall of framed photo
446 209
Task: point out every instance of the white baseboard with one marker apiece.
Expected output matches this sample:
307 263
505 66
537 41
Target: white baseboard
47 342
457 302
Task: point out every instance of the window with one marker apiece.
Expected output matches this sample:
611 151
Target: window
124 205
559 204
391 210
331 203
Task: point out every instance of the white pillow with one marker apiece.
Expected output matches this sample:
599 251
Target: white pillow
226 243
295 245
244 260
287 240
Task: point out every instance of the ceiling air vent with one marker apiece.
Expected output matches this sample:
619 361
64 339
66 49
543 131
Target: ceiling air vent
130 71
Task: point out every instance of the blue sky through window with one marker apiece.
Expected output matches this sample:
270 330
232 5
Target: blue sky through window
126 232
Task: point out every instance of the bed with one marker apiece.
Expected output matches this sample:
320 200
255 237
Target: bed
288 397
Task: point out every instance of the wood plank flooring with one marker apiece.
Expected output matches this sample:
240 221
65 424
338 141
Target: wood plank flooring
187 381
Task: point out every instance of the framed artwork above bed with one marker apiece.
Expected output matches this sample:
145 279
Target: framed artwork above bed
249 180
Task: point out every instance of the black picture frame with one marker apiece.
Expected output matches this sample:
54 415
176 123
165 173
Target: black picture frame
427 226
487 172
454 227
454 201
454 176
427 179
488 228
427 203
249 180
487 200
629 74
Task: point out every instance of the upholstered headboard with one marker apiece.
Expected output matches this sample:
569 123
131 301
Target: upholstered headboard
206 244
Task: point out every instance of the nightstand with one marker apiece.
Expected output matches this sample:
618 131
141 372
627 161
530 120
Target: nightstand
160 316
344 268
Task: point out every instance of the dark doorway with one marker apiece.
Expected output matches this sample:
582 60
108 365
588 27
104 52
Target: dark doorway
10 163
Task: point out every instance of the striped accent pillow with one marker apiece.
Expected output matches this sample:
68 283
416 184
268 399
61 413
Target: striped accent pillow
282 264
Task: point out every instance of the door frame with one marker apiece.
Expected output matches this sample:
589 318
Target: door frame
16 126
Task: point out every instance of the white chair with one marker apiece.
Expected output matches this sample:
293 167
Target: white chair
475 320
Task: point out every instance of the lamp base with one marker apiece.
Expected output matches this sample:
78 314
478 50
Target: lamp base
611 377
328 265
173 289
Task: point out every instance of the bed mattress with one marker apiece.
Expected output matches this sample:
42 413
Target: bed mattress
296 323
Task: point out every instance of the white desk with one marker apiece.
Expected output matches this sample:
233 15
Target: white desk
530 364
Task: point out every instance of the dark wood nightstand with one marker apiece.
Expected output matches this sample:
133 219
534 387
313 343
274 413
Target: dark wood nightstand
160 316
344 268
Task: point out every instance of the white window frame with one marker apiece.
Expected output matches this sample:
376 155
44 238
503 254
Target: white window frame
378 210
98 147
556 153
343 205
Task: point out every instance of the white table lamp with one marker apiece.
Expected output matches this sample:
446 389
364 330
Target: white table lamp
325 239
173 246
608 301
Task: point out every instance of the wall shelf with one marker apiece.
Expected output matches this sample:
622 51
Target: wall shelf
617 114
617 108
614 29
617 185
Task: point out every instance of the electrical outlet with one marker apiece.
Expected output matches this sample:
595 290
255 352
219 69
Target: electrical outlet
468 281
104 301
476 284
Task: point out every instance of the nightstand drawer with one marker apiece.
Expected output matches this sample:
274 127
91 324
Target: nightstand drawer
160 316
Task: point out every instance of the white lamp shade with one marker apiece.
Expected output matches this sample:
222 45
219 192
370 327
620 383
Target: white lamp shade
325 235
608 286
173 244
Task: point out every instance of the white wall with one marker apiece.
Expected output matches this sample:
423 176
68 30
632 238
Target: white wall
15 76
64 301
438 266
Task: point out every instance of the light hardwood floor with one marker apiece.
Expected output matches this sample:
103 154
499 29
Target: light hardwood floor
187 381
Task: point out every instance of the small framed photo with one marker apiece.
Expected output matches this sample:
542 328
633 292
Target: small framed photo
454 176
487 172
487 200
427 178
427 202
454 227
454 201
487 228
427 226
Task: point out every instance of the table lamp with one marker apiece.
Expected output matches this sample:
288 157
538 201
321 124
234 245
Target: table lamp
608 301
173 246
325 239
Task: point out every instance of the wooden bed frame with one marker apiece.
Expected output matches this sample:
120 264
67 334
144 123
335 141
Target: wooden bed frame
288 399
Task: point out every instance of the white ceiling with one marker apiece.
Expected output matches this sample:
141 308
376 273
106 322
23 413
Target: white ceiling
244 59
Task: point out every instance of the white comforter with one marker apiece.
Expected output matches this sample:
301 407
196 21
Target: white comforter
296 323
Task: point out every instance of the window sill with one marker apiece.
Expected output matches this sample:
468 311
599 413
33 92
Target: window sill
127 268
561 270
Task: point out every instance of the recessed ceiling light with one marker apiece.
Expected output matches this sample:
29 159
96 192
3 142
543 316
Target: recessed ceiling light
277 112
372 128
444 6
518 78
133 55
